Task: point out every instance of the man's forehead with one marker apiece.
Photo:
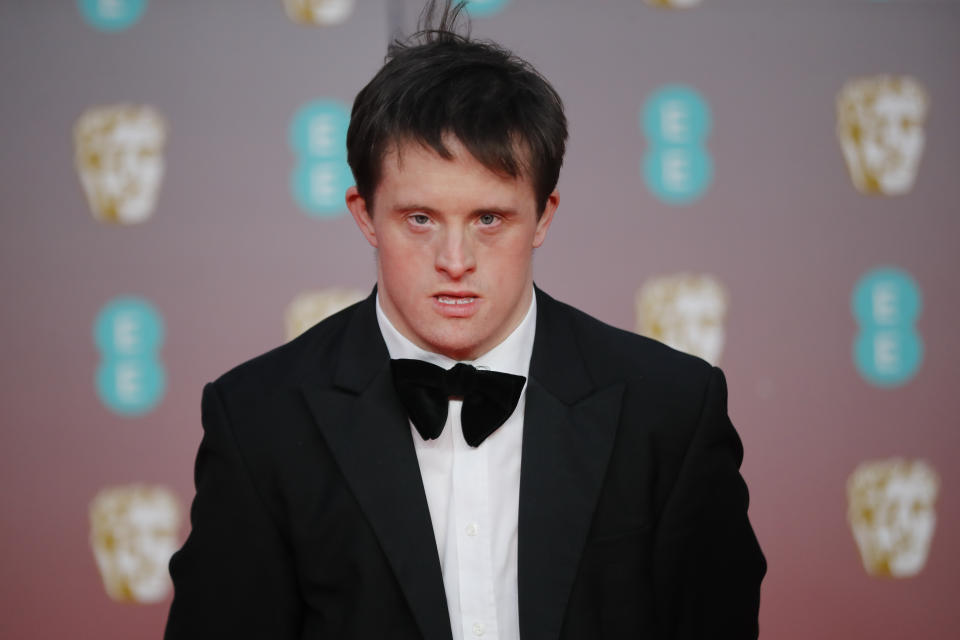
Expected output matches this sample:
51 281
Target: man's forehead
451 148
406 176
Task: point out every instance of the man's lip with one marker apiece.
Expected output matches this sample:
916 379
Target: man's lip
459 304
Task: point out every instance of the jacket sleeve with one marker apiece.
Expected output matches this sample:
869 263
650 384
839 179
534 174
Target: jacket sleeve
234 576
707 562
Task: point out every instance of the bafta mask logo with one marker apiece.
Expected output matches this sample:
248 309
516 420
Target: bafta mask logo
880 125
134 532
677 166
888 350
674 4
891 512
684 311
119 156
318 139
111 15
321 13
130 378
310 307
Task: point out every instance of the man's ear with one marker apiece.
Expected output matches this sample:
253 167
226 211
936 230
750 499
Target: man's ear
553 200
358 208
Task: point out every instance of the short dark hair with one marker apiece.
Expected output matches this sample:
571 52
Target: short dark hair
439 82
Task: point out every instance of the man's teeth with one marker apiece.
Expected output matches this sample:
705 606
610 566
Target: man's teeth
449 300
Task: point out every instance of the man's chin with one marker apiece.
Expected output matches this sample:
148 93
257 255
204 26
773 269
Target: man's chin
457 347
457 351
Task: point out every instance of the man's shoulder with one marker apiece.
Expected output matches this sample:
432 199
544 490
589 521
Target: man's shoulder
665 386
614 353
314 352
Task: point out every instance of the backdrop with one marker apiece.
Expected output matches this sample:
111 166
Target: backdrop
771 184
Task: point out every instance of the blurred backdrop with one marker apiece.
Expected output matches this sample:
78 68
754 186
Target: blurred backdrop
769 184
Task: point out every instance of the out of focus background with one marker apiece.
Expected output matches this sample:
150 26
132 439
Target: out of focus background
769 184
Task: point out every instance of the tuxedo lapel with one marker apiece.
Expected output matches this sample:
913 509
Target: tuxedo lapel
569 428
367 431
568 433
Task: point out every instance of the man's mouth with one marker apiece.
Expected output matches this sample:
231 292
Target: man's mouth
455 299
454 305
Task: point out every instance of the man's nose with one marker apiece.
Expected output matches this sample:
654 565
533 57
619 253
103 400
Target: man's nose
455 255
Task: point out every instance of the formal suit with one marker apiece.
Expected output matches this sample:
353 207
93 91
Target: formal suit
310 519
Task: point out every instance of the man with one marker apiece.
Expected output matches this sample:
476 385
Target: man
460 455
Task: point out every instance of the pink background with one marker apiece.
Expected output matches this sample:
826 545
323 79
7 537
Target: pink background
227 249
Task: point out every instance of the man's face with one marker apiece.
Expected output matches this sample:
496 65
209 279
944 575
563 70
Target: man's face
454 247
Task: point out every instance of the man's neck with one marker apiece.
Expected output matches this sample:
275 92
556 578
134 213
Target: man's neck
510 355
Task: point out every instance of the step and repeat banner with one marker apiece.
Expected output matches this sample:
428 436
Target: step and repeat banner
768 184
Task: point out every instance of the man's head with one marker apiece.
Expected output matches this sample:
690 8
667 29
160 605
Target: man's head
456 147
441 84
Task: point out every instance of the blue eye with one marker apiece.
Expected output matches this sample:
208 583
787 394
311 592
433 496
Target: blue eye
420 218
488 218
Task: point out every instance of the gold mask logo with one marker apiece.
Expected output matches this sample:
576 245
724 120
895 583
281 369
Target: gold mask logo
321 13
891 512
119 157
674 4
133 532
684 311
880 122
310 307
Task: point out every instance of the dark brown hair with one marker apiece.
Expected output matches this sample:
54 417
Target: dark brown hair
439 82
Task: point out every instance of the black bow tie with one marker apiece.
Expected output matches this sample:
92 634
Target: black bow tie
489 397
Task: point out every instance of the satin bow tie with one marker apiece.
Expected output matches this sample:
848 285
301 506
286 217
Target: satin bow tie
489 397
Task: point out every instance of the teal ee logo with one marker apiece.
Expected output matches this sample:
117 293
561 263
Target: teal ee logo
111 15
887 351
128 333
483 8
321 176
676 166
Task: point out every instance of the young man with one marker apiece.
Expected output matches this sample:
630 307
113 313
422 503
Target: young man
460 455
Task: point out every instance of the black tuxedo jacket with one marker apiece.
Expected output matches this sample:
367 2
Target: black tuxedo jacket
310 519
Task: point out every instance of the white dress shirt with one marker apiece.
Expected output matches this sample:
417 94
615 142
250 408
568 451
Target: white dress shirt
474 493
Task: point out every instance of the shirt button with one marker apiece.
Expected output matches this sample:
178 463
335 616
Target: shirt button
478 628
472 530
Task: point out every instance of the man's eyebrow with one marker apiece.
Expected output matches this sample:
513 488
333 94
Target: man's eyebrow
503 211
410 208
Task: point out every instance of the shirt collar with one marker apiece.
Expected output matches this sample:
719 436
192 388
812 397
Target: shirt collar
512 355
